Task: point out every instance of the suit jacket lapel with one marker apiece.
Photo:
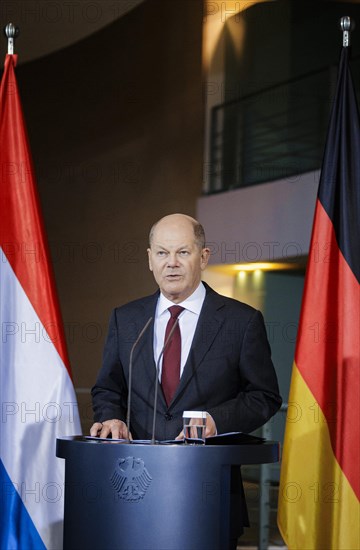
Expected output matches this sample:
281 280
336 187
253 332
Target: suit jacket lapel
210 321
145 358
144 355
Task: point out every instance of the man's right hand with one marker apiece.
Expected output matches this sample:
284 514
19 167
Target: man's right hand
115 428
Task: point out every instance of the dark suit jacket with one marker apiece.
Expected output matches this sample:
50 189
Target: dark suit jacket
229 372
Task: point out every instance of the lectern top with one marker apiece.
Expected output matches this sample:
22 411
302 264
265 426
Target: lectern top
246 453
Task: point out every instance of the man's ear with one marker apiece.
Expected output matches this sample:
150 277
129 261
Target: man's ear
149 258
205 255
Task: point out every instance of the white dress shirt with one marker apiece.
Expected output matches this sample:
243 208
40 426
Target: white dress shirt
188 320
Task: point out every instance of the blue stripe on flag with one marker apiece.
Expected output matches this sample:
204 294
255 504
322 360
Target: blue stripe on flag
17 530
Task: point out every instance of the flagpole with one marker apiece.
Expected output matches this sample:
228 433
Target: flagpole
11 32
346 26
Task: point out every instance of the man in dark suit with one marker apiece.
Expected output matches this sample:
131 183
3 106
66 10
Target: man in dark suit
226 368
224 363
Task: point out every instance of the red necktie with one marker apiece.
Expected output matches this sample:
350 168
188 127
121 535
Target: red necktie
172 356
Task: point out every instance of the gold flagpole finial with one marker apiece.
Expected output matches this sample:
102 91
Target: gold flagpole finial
346 25
11 33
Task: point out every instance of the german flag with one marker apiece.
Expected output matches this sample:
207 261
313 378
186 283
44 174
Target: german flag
319 487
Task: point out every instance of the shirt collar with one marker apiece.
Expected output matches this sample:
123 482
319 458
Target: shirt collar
193 303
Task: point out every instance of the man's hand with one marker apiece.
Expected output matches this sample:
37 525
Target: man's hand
116 428
209 430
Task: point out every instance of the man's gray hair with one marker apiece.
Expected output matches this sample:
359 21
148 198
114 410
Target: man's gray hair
199 233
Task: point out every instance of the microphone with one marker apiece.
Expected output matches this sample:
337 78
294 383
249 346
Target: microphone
130 375
157 377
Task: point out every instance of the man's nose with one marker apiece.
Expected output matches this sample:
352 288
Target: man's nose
173 260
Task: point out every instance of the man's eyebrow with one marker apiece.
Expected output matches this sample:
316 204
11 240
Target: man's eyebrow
178 248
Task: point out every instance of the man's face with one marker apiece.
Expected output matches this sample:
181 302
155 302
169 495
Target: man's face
175 259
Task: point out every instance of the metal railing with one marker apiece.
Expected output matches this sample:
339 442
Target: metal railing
261 485
264 482
276 133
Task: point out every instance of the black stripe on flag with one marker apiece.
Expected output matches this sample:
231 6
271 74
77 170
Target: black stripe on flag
339 188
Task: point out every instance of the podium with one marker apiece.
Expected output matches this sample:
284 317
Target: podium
151 497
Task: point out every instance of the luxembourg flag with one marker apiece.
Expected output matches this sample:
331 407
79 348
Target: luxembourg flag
38 402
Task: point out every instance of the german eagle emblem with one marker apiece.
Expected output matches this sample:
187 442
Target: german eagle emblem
131 479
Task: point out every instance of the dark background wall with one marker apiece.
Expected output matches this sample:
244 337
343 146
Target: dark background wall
116 130
274 42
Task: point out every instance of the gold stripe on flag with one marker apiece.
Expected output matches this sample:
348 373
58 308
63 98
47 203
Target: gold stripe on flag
318 509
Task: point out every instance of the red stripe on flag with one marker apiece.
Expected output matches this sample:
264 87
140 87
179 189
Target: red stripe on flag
22 234
328 345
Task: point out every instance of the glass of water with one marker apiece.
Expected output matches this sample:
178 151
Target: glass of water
194 426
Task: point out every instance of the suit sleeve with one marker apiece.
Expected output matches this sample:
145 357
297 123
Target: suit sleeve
257 397
109 395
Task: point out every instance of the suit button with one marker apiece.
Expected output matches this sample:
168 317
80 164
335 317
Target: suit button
168 416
